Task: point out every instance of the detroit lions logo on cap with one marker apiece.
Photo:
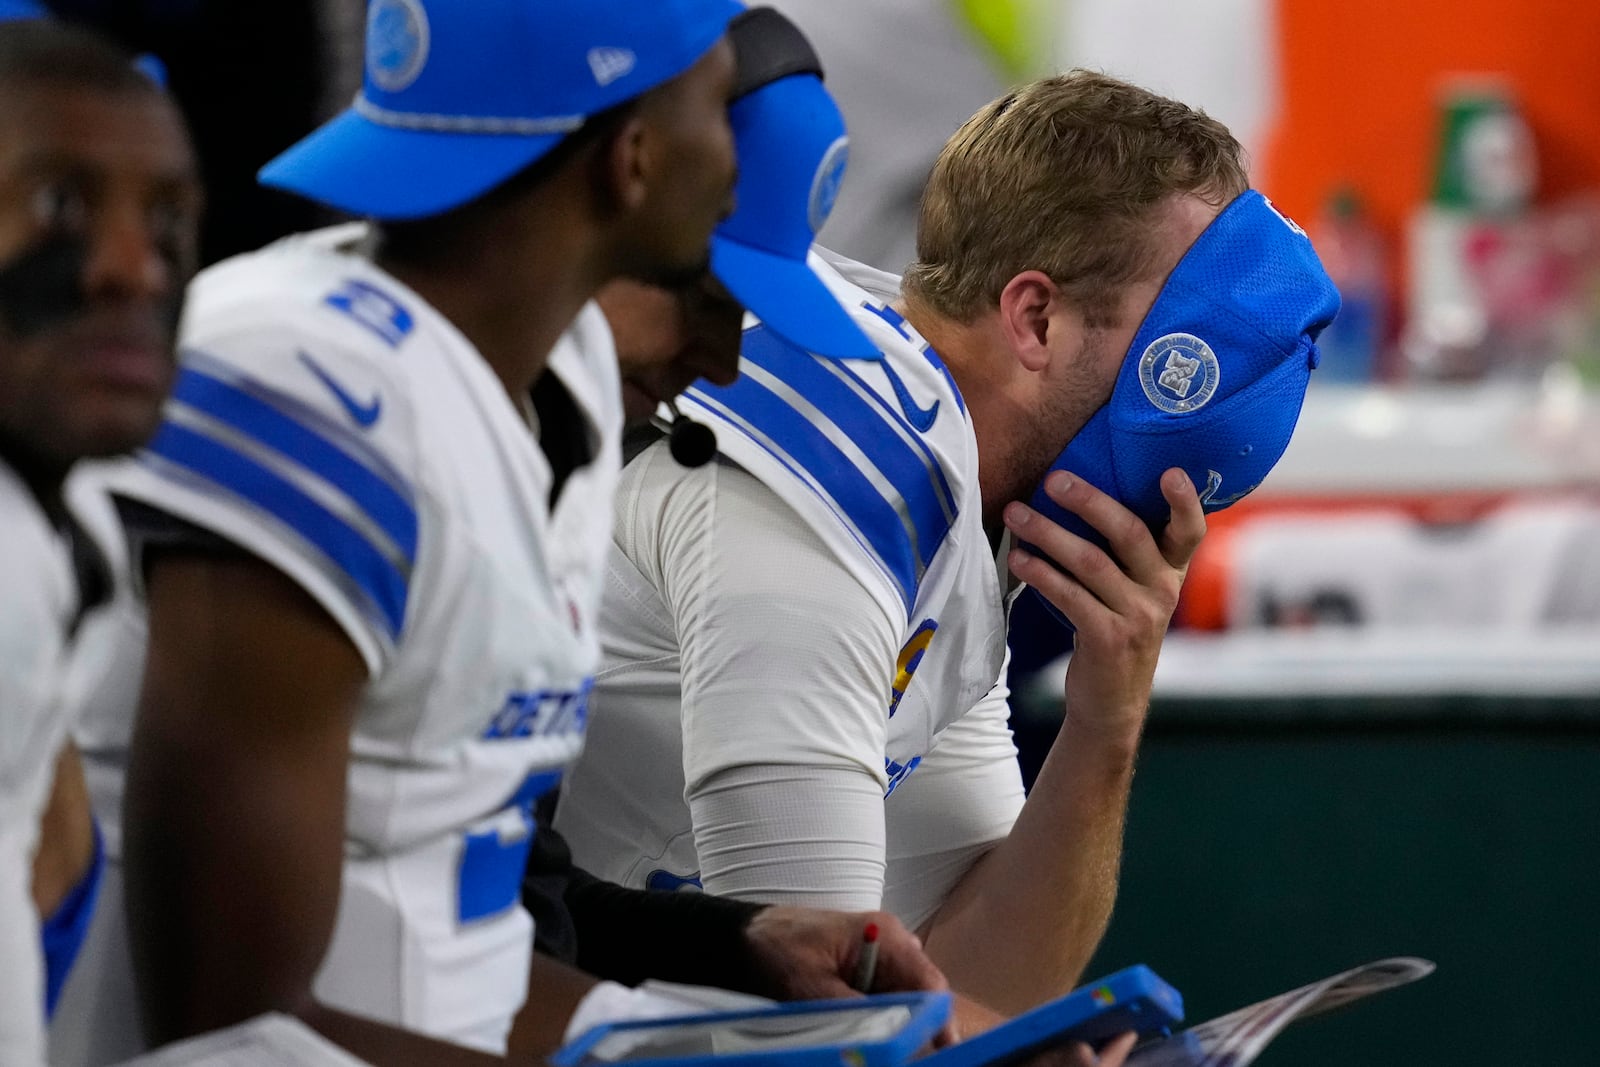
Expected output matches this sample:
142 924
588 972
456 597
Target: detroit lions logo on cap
825 183
1179 373
397 43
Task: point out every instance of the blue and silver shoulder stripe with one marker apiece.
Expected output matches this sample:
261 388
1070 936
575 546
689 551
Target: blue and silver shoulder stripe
838 437
232 435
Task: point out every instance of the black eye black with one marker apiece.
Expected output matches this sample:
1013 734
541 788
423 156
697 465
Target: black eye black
61 205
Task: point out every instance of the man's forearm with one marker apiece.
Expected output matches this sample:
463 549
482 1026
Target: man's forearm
1022 924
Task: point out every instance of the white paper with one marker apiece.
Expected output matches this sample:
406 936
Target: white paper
1236 1039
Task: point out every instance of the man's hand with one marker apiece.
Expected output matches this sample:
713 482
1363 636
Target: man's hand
1121 604
806 954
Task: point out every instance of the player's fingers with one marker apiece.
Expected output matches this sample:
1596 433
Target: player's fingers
903 966
1130 539
1087 567
1188 523
1069 595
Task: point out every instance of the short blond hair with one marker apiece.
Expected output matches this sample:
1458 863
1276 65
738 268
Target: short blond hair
1063 176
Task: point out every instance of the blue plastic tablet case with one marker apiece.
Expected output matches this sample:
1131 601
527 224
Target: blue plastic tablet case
928 1013
1134 998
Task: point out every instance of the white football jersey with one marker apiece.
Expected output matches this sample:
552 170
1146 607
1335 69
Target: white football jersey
879 460
329 421
40 595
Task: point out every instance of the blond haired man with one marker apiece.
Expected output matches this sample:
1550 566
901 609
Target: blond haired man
792 631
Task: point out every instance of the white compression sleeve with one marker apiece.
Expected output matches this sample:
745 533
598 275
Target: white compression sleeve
960 803
786 666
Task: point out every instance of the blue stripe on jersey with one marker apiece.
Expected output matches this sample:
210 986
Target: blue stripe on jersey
842 367
824 469
713 407
373 573
907 471
800 445
256 418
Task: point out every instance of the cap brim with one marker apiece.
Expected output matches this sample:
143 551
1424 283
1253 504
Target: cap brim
357 166
786 296
19 10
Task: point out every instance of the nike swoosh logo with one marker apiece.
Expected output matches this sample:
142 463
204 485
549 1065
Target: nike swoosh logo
920 417
365 415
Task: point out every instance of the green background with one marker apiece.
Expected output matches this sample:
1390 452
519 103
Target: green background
1271 843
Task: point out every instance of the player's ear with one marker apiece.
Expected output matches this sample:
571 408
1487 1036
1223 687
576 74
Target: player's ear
1038 321
627 163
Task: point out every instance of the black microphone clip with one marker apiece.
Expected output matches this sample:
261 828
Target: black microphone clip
691 443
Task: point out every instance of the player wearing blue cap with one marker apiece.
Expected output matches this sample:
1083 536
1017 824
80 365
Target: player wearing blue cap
791 147
18 10
371 590
99 201
793 150
799 697
370 632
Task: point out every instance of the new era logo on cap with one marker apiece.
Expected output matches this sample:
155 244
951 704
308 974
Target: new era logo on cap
609 64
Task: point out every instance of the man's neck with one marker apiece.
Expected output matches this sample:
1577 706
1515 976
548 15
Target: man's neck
972 354
513 293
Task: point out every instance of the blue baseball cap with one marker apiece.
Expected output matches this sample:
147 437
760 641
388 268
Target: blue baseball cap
792 150
1216 376
460 95
16 10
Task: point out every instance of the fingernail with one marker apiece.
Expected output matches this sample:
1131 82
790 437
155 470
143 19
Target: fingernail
1059 482
1018 558
1177 480
1017 515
